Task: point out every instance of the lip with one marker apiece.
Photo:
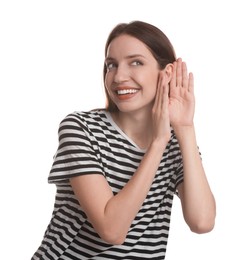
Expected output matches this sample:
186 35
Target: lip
124 88
125 96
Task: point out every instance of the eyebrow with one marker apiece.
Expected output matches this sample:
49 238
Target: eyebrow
127 57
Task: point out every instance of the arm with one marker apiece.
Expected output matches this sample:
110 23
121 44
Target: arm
111 216
197 200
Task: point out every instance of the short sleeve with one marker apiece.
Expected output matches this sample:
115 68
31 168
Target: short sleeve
77 153
179 174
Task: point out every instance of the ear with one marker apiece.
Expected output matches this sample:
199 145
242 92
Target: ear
167 71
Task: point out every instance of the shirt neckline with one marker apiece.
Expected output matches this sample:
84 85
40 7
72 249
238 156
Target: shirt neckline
113 123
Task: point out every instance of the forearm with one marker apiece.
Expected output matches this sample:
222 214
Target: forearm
196 197
122 209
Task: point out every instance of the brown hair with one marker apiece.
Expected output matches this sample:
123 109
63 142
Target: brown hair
157 42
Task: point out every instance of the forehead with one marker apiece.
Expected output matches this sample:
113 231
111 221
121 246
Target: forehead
127 45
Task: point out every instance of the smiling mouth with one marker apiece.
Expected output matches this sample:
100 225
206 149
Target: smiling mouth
126 94
126 91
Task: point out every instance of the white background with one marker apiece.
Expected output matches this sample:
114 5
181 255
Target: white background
51 58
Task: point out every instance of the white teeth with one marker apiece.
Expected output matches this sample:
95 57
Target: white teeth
126 91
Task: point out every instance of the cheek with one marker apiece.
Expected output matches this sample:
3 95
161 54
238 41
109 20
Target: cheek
107 85
106 82
151 80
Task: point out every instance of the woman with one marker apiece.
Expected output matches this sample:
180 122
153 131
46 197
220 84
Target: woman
117 169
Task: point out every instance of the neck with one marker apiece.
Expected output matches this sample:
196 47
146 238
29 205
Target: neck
138 126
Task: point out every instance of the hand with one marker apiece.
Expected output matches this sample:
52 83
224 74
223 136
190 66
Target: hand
160 112
181 100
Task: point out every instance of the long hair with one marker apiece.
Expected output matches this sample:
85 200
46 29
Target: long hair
157 42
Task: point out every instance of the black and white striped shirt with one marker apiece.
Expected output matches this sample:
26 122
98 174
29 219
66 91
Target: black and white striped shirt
91 143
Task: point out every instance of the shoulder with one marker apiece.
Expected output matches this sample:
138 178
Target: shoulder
84 119
84 116
173 147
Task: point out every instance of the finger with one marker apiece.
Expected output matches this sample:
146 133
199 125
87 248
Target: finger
158 96
165 101
173 78
179 73
184 75
191 83
163 94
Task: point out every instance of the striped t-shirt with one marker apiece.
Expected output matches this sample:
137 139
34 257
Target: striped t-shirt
91 143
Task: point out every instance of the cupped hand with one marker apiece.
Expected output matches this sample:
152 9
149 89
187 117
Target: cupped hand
181 96
160 112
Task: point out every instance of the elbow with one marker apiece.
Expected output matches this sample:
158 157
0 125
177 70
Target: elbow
201 229
202 226
201 222
113 240
112 237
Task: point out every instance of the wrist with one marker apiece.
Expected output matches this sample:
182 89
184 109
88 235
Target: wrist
184 132
158 147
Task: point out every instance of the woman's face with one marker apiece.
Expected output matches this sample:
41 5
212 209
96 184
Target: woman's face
132 74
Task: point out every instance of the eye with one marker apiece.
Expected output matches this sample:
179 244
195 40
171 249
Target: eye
136 63
110 66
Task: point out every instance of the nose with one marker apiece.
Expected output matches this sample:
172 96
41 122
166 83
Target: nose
121 74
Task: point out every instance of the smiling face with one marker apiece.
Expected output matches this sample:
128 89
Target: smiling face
132 74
